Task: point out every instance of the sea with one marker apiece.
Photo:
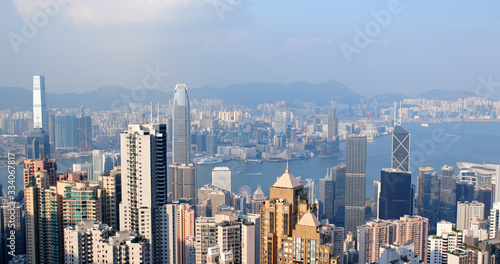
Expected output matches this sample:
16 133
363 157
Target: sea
438 144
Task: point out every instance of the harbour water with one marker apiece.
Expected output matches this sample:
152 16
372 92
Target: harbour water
438 144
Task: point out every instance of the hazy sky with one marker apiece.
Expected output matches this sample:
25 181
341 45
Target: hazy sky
80 45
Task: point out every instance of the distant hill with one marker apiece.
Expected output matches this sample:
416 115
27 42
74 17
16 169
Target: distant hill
445 95
247 94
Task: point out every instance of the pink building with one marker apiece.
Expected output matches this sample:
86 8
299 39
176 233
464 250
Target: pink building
413 228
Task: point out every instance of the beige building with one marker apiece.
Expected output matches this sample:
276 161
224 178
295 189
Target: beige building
44 221
183 181
216 195
112 196
468 211
413 228
371 237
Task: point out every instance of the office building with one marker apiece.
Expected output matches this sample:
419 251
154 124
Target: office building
258 200
466 212
333 126
182 181
400 149
144 184
66 132
181 126
37 144
281 121
102 163
310 189
279 215
355 182
84 133
376 198
428 195
395 194
221 177
40 119
447 196
338 176
326 198
85 167
44 221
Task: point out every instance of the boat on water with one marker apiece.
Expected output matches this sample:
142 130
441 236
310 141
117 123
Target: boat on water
209 160
258 161
424 124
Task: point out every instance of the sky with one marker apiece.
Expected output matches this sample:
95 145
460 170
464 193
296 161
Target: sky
372 47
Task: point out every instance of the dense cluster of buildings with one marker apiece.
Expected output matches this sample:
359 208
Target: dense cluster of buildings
148 210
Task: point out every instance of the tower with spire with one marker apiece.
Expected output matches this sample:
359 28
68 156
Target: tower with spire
288 222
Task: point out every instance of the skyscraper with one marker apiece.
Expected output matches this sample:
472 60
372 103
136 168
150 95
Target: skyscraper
355 183
428 196
221 177
144 183
181 126
333 126
326 197
40 119
85 133
66 132
38 143
400 149
281 121
182 180
395 194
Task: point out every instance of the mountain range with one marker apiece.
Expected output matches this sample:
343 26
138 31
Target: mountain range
246 94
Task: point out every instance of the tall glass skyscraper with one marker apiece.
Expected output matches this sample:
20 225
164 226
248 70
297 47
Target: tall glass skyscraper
40 119
66 132
355 183
400 149
181 126
182 173
37 143
395 194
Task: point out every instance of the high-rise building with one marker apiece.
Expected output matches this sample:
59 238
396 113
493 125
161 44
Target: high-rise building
40 119
93 242
258 200
333 126
185 232
181 126
32 166
44 221
376 198
182 182
37 144
144 184
216 195
445 240
112 196
428 195
373 235
494 220
279 215
326 198
400 149
221 177
447 196
310 189
413 228
66 132
281 121
81 201
12 228
466 212
395 194
85 133
338 176
355 183
86 167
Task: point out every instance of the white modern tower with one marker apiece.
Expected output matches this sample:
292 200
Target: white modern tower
221 177
144 184
40 119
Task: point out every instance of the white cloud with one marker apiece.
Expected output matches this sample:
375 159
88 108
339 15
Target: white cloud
114 12
300 42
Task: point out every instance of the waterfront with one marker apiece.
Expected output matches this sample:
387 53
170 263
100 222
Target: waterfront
439 144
